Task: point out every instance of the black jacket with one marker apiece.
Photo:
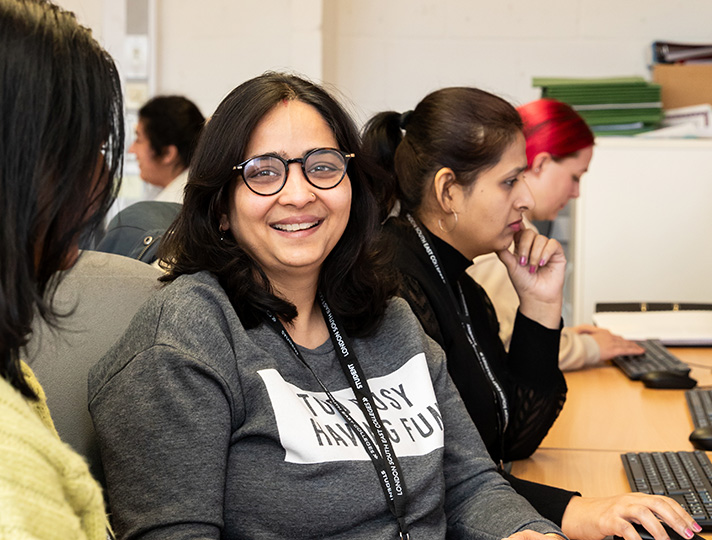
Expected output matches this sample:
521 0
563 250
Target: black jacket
528 376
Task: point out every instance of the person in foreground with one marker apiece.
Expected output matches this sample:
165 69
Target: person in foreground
59 166
559 147
455 165
274 388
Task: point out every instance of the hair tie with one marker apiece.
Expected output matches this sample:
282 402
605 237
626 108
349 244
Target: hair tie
404 119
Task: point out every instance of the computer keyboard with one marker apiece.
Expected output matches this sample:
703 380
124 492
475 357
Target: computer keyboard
655 358
699 403
683 476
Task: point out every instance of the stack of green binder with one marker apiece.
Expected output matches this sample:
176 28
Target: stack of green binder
610 106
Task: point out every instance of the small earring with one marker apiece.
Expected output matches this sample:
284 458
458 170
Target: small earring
440 224
313 196
536 170
222 235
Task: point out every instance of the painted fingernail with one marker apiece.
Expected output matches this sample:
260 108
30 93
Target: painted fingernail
696 527
522 260
688 533
542 262
532 269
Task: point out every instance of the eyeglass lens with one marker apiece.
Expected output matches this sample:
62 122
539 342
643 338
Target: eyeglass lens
266 174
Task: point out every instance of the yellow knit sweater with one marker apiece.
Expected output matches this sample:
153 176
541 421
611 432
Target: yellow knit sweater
46 490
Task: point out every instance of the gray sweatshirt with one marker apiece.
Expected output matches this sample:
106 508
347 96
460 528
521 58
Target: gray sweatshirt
208 430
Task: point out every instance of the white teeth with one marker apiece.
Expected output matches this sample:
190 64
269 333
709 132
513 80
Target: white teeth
291 227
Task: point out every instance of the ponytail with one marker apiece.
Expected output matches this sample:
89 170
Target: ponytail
381 136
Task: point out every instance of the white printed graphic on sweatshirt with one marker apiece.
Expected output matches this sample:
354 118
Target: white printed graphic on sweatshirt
312 431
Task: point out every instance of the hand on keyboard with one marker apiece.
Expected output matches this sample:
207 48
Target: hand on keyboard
610 345
656 358
593 518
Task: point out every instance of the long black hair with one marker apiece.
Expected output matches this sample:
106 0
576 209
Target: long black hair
61 148
463 128
354 277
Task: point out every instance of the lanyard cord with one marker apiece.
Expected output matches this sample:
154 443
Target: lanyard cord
463 313
382 454
483 361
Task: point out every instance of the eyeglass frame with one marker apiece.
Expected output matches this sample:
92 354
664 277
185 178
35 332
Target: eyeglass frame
287 162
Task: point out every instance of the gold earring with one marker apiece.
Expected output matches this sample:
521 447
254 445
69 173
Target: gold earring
440 224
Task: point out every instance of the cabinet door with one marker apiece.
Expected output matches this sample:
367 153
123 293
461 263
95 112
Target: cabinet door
643 224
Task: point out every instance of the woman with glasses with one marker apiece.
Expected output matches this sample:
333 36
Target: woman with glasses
61 148
456 165
274 388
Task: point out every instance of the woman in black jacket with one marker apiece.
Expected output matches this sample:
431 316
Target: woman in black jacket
453 186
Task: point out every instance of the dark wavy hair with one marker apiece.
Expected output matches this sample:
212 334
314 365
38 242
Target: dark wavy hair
172 120
355 277
61 148
465 129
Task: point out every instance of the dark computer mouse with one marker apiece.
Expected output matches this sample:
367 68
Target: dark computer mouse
701 438
646 535
667 379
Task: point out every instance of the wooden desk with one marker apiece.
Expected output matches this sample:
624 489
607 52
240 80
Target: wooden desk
607 414
605 410
593 473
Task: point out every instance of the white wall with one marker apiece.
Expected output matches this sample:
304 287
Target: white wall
387 54
90 13
205 49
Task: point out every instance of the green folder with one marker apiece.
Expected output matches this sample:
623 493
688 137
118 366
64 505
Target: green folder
593 81
622 116
591 91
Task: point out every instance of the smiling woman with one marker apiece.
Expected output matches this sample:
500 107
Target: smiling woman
282 391
291 229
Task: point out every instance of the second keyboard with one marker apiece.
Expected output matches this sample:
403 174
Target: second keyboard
655 358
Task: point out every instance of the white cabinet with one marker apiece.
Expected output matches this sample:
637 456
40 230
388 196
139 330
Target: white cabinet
642 227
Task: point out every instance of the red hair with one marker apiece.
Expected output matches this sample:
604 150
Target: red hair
554 127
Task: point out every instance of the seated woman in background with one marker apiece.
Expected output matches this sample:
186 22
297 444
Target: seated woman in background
559 150
455 165
235 404
61 146
167 133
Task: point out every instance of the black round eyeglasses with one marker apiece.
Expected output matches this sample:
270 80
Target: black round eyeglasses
324 168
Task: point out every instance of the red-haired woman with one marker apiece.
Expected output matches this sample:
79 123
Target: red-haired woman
559 150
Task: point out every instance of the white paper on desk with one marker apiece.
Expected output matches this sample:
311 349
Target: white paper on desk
670 327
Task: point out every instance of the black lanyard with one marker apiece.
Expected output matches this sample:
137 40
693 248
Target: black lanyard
382 454
466 322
